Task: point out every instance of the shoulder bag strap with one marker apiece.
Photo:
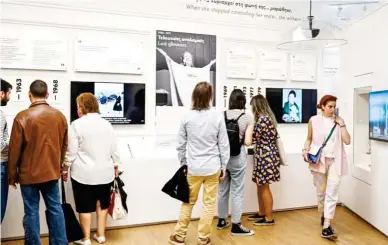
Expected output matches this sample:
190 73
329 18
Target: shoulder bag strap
242 114
330 134
63 191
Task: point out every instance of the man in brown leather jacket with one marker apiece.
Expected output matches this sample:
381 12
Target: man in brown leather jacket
38 144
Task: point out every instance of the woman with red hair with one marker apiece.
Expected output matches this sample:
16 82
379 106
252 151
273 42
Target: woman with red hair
328 131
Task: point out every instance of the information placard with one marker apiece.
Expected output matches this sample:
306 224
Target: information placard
241 63
303 67
109 55
273 65
34 50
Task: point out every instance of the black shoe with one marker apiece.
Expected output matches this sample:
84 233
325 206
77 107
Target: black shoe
322 220
256 217
264 222
239 230
222 224
329 233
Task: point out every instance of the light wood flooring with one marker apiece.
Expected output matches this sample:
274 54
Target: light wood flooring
301 227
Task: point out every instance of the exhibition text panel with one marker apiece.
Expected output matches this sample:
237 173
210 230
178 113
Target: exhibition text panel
41 50
110 55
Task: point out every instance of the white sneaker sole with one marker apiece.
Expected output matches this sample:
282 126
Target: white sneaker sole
254 219
264 224
243 234
80 242
332 238
226 226
100 240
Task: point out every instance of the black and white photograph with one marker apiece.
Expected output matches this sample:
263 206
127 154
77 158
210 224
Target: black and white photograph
110 99
292 105
183 60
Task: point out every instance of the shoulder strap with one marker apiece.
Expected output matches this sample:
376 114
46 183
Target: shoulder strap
240 116
330 134
226 117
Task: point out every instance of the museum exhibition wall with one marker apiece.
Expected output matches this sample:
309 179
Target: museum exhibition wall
134 50
364 69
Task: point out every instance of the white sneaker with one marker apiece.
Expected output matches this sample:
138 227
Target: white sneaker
100 239
85 242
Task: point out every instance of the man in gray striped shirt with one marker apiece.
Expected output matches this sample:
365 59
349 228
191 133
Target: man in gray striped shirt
5 95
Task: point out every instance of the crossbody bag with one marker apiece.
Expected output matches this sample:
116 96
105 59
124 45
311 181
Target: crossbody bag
315 152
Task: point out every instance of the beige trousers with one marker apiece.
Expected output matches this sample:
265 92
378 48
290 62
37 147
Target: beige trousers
210 188
327 186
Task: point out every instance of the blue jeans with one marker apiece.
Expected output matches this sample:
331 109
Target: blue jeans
4 189
54 213
233 185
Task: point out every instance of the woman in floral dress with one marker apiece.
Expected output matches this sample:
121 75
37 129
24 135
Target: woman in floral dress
266 158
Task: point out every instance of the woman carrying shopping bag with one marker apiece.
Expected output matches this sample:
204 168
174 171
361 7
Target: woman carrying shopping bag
93 159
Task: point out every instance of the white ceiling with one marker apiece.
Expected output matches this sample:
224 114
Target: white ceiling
349 11
338 13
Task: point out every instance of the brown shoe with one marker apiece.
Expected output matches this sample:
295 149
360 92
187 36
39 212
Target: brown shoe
207 241
175 240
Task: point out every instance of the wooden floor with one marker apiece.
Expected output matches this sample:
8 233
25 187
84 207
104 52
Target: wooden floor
300 227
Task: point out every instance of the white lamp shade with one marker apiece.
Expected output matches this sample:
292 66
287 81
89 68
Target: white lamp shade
301 38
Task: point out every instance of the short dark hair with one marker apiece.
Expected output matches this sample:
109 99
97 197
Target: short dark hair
38 89
5 86
292 92
202 94
237 100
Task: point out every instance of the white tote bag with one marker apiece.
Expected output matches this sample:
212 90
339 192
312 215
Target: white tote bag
282 153
116 210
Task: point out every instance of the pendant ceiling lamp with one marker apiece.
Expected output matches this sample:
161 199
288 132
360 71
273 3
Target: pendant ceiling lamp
311 34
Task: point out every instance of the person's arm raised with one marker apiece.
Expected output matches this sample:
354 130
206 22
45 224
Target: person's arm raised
345 136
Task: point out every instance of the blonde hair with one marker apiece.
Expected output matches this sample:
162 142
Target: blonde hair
260 106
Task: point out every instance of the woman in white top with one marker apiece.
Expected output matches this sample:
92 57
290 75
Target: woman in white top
93 160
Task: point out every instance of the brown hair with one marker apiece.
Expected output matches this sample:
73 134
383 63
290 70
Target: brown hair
87 103
260 106
326 99
202 94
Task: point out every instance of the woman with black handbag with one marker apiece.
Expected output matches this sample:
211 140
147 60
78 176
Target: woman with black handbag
324 151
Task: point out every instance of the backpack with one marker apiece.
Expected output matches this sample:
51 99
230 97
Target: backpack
233 131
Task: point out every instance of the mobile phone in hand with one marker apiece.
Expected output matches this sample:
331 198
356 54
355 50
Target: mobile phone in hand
336 112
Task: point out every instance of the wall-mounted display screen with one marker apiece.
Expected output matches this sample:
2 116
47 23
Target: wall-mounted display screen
119 103
292 105
378 115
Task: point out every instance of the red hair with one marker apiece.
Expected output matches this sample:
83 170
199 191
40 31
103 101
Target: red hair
326 99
